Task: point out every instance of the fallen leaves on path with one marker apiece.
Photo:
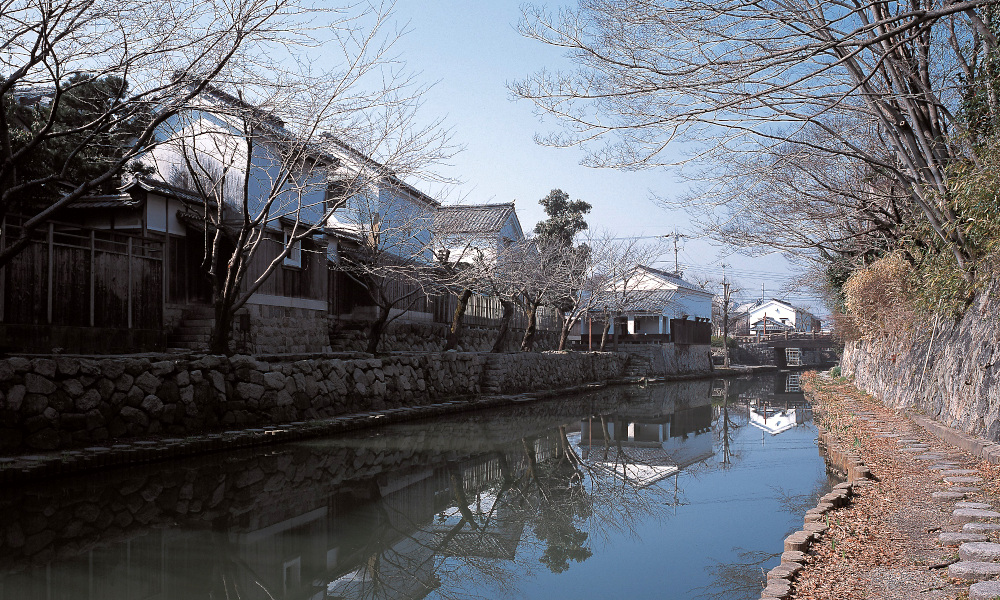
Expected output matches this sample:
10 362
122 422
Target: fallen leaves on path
882 544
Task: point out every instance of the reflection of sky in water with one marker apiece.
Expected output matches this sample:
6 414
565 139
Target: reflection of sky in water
627 492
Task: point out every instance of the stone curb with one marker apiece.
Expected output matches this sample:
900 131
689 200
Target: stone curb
796 546
975 446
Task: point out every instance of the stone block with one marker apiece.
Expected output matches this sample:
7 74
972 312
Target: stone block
133 415
36 384
91 399
249 391
46 367
152 405
974 571
15 397
45 439
147 382
964 515
984 590
956 538
980 551
112 368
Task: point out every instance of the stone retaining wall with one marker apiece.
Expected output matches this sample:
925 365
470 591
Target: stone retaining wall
521 372
950 372
282 329
673 359
66 402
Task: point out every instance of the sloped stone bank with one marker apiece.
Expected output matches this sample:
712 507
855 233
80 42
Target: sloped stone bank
72 402
949 370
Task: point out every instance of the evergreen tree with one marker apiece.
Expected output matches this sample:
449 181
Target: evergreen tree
565 217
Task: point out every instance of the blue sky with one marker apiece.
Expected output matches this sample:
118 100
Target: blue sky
472 51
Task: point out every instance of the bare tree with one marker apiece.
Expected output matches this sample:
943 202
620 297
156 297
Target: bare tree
794 87
273 165
387 252
149 52
617 265
466 260
580 285
499 277
538 275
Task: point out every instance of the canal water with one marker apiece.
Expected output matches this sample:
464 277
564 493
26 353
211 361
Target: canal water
679 490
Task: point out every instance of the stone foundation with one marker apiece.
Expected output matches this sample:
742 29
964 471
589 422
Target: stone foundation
673 359
281 329
66 402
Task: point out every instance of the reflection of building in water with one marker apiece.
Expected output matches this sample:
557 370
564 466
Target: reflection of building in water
645 449
775 420
793 383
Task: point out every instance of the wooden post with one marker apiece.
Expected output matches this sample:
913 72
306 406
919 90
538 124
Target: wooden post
3 271
93 276
165 263
129 258
51 273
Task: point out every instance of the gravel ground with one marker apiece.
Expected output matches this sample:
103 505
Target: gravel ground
885 544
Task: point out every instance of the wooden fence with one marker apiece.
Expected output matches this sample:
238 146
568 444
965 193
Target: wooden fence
682 331
345 294
690 332
77 277
487 311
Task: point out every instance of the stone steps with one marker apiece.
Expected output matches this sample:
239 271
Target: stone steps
194 330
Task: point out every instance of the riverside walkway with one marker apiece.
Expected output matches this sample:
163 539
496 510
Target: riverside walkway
927 525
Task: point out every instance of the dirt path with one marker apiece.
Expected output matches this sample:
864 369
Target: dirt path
886 543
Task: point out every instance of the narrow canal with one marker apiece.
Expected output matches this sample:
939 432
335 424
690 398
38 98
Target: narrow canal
682 490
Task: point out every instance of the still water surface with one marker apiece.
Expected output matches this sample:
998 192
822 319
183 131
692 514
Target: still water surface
681 490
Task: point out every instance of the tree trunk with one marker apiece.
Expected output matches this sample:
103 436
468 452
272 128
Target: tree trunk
505 317
223 327
457 318
529 333
725 335
614 344
376 329
563 334
604 333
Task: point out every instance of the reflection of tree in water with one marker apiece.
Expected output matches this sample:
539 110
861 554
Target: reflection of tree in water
726 426
741 579
543 505
563 504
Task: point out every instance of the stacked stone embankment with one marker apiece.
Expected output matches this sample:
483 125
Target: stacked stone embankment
67 402
946 369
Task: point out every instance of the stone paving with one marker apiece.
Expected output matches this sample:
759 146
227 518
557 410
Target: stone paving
943 525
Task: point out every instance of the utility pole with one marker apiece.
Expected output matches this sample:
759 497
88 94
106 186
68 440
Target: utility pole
725 318
677 237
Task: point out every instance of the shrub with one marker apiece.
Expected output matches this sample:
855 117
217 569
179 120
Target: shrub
879 298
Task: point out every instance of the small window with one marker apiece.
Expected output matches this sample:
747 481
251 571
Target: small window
294 258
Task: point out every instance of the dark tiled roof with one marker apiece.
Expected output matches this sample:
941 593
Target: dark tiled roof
472 218
108 201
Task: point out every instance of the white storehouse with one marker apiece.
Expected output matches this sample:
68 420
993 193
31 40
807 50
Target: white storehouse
648 300
778 315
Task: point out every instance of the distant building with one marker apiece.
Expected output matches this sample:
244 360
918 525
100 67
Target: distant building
653 298
773 316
